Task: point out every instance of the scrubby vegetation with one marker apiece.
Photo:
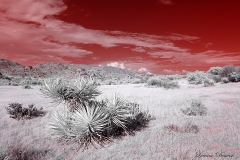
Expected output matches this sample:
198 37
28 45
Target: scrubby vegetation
225 74
27 87
161 81
87 121
186 128
198 77
193 108
16 111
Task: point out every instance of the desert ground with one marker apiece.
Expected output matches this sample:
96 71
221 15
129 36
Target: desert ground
216 134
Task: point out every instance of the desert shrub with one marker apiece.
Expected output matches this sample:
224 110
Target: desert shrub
173 127
136 81
175 77
208 82
5 77
226 71
14 84
234 77
4 82
190 128
16 111
237 70
18 152
186 128
224 80
27 87
162 82
196 77
110 82
214 70
193 108
88 121
216 78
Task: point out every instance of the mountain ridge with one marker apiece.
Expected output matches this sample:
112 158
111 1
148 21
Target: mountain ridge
55 69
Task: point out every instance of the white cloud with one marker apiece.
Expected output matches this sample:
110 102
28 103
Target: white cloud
138 49
208 44
117 65
142 70
168 71
166 2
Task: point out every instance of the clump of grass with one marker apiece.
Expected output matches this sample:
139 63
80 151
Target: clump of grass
16 111
18 152
187 128
193 108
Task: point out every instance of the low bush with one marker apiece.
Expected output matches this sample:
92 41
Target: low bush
226 71
14 84
27 87
136 81
110 82
175 77
164 82
214 70
216 78
208 82
5 77
190 128
196 77
224 80
193 108
16 111
234 77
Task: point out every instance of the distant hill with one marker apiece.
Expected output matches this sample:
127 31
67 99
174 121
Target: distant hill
55 69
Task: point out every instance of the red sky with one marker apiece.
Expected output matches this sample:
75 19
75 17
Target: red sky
158 36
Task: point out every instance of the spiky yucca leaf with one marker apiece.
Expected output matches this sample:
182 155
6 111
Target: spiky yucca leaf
54 89
61 124
72 91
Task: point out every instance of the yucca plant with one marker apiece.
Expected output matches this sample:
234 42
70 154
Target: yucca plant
86 125
85 120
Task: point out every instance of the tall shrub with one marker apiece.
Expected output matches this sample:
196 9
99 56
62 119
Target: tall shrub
196 77
226 71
